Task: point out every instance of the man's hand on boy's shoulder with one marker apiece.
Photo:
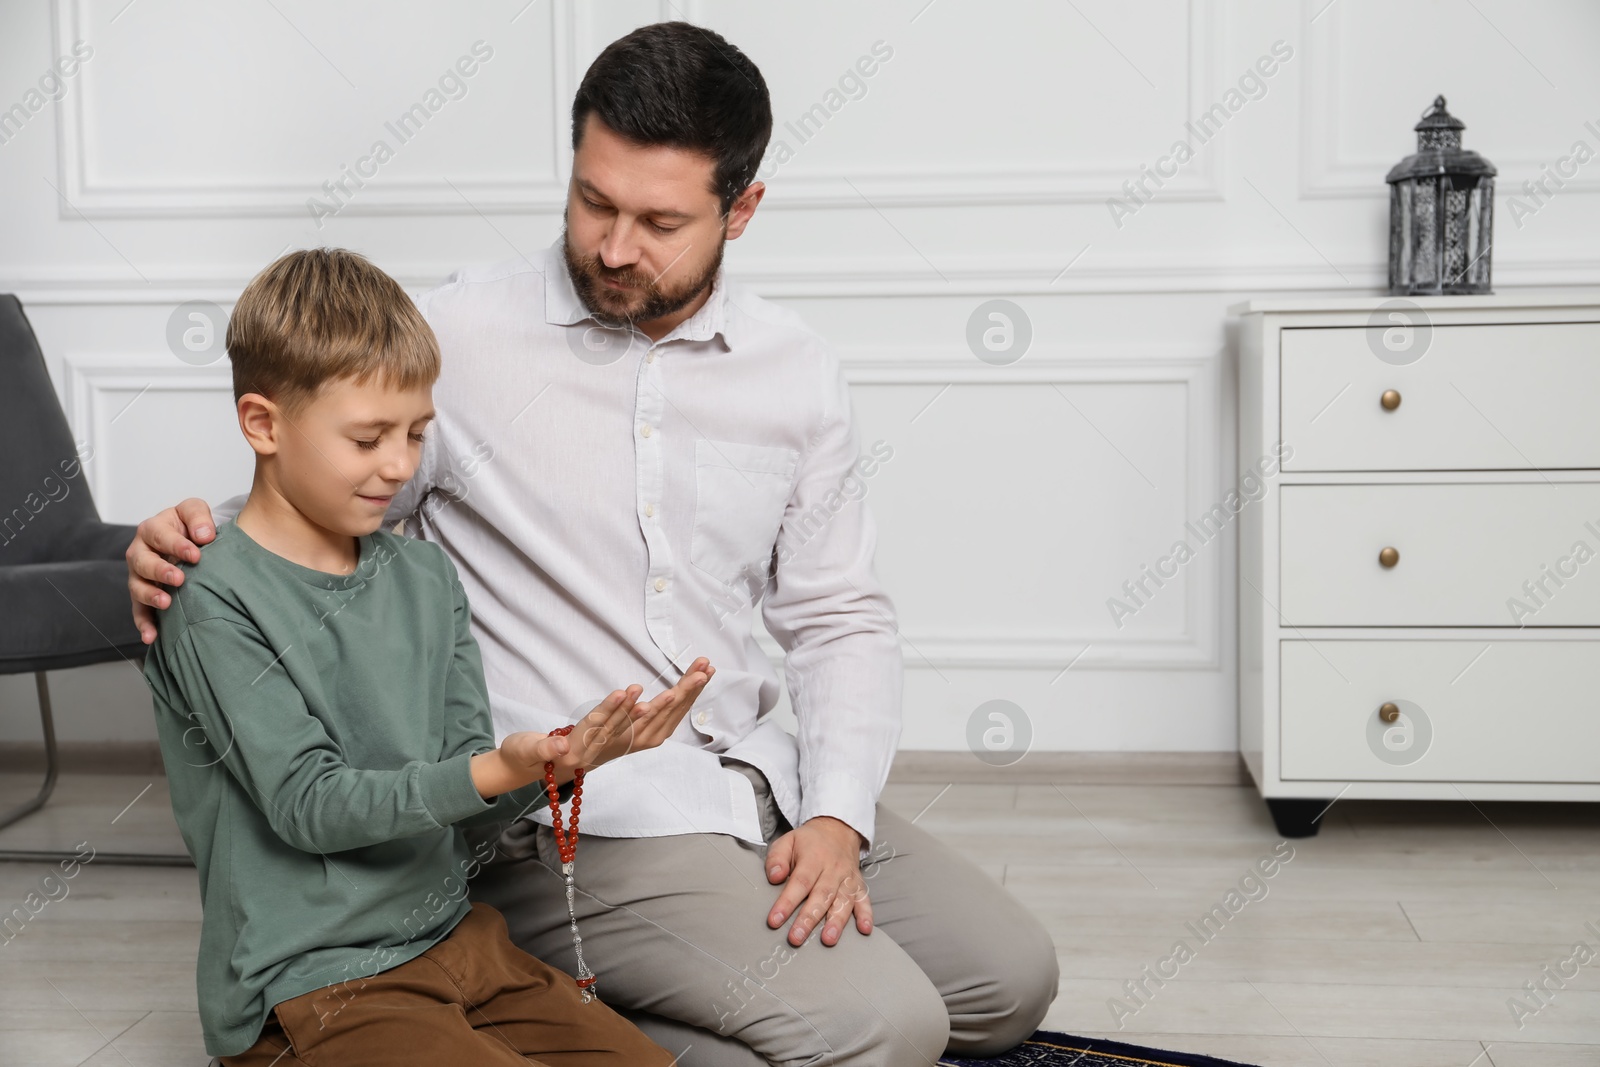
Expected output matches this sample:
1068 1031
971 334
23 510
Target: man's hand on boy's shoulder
160 543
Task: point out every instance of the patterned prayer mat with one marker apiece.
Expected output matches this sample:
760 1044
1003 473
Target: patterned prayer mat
1046 1048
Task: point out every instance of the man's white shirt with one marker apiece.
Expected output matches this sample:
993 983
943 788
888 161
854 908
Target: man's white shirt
616 507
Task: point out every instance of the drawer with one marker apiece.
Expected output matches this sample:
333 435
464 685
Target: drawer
1522 711
1482 397
1470 554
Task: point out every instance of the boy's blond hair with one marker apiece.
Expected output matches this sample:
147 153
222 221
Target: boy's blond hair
322 314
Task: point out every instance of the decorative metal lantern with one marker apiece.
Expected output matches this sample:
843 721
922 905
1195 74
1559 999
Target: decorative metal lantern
1441 212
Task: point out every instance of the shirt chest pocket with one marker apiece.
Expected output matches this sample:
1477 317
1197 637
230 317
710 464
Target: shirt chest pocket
740 494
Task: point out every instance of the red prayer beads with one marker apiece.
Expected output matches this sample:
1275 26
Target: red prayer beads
568 845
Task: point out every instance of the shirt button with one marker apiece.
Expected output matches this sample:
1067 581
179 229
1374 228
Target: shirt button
649 357
700 719
649 511
661 583
645 430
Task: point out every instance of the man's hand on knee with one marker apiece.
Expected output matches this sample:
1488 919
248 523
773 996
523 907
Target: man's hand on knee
821 864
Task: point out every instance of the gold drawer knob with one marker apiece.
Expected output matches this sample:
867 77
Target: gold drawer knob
1389 712
1390 399
1389 556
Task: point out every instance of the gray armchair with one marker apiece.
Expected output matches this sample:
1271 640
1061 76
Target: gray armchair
63 581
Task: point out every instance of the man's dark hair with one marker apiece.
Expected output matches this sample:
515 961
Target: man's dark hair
682 85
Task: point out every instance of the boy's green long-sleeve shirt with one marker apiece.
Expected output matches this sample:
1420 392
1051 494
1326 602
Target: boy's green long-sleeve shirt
317 732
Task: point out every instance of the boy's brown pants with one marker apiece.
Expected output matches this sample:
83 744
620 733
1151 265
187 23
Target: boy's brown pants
472 999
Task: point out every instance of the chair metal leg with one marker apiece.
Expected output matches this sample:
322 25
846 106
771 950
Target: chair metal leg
52 768
51 765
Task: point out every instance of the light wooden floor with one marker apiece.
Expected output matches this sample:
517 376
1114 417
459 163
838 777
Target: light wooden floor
1395 938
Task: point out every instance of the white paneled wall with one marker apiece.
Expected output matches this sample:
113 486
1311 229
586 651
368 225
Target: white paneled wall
927 158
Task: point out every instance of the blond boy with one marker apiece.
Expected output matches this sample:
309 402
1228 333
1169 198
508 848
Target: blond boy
325 724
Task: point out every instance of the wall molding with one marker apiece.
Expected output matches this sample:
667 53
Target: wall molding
937 767
1173 768
95 384
542 191
1327 173
988 186
844 277
89 380
573 37
1196 368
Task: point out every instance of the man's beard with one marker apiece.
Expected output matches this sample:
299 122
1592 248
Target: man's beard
588 279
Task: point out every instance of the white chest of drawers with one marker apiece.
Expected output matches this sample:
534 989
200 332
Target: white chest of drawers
1419 585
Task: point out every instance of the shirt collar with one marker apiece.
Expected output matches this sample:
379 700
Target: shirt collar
563 308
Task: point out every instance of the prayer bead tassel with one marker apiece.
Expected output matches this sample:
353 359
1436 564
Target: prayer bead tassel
567 846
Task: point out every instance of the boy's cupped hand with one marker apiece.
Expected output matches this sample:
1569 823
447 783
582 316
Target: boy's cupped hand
618 725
